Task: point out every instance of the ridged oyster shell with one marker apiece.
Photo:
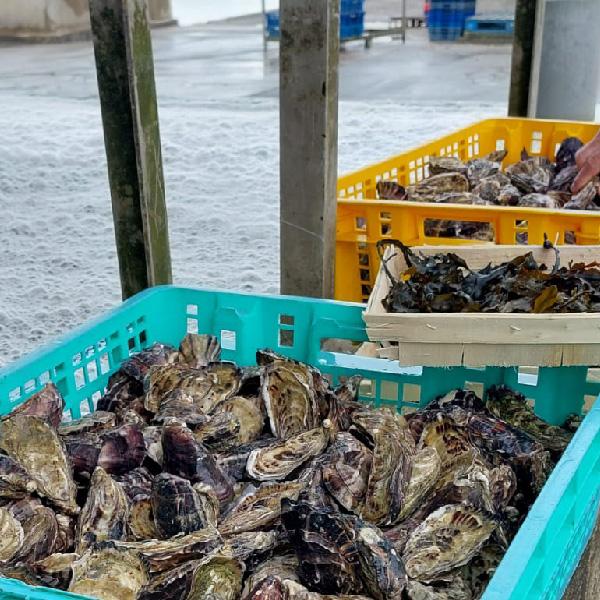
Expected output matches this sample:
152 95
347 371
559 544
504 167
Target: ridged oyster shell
48 404
11 536
220 578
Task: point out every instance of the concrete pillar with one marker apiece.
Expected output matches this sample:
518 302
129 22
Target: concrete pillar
309 51
566 63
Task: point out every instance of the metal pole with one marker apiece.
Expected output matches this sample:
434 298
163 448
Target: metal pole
522 58
125 71
404 21
309 52
264 25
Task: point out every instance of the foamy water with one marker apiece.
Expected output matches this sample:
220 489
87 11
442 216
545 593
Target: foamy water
189 12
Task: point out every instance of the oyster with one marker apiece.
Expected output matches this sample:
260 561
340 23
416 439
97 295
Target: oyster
11 536
323 540
448 538
184 456
37 448
199 351
249 416
163 555
509 195
565 157
176 506
290 399
138 365
426 469
382 571
258 508
171 585
92 423
48 404
428 189
391 468
277 462
481 168
455 589
220 578
15 482
563 180
83 451
234 463
512 407
65 539
123 449
346 471
281 567
268 588
105 512
446 164
154 452
531 175
219 432
109 573
40 534
587 198
122 390
137 485
488 189
58 566
536 200
180 405
251 546
209 504
295 591
390 190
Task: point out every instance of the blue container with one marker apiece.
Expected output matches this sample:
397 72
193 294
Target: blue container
350 7
494 26
352 25
272 21
549 544
445 34
446 16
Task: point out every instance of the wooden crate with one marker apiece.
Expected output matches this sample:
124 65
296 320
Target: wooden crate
476 339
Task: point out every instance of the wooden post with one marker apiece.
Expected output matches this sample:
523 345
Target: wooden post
404 21
309 51
125 70
522 58
264 25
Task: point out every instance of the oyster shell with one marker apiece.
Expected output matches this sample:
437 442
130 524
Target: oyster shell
481 168
180 405
531 175
346 471
428 189
209 504
249 416
448 538
121 391
105 513
277 462
66 533
446 164
536 200
109 573
323 540
40 534
509 195
154 452
258 508
137 485
512 407
163 555
48 404
382 571
456 589
35 445
391 469
390 190
15 482
587 198
268 588
289 398
57 565
171 585
11 536
565 156
199 350
279 568
123 449
234 463
138 365
219 432
220 578
251 546
295 591
92 423
184 456
176 506
426 469
83 451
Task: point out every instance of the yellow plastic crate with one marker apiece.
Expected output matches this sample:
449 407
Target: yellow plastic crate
362 220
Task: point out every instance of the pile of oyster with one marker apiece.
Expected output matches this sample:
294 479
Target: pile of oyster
198 480
444 283
533 182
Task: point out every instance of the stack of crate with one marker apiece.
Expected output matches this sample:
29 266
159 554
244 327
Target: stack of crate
446 18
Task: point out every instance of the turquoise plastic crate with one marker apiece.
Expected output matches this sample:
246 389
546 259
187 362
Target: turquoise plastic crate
545 552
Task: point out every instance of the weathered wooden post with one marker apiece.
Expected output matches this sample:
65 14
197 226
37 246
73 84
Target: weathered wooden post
309 50
522 58
125 70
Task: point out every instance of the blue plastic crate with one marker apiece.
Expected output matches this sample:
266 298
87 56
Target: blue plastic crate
272 24
350 7
547 548
445 34
352 25
490 25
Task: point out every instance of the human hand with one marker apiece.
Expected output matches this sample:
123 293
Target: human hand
588 163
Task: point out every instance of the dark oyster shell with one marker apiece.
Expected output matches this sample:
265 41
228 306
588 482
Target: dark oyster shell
35 445
429 189
123 449
587 198
83 451
565 157
269 588
249 416
536 200
531 175
323 540
426 468
346 471
219 432
258 508
176 506
276 569
15 482
122 391
48 404
509 195
109 573
138 365
105 512
171 585
219 578
184 456
180 405
481 168
390 190
251 546
199 350
40 535
234 463
446 164
278 461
